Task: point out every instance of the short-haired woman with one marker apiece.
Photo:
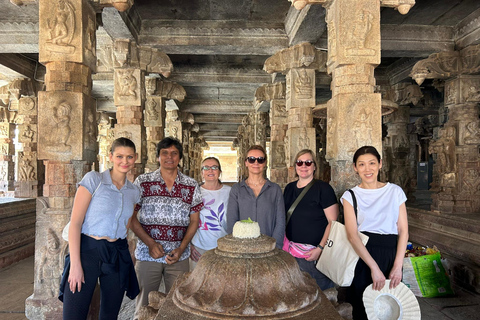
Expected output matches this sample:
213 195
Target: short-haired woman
308 228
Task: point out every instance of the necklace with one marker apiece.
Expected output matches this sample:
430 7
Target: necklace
255 184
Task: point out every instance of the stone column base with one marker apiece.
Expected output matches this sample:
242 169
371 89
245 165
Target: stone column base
43 309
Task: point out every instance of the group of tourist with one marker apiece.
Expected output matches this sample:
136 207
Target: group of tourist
176 221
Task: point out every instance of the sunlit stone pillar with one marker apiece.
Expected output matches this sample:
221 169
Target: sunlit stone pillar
105 138
299 63
26 184
66 137
398 149
456 151
274 95
7 153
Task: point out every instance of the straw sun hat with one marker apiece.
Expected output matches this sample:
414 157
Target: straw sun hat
391 304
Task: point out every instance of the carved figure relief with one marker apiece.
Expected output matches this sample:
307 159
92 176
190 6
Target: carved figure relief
26 105
472 134
450 94
363 130
4 149
125 134
279 156
445 150
303 140
3 171
50 266
4 131
359 34
174 132
90 36
471 181
152 152
127 83
303 84
28 134
26 169
152 113
89 137
286 143
473 95
61 131
61 28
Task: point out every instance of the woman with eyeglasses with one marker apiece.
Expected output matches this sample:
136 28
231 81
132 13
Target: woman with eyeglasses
309 224
258 198
212 225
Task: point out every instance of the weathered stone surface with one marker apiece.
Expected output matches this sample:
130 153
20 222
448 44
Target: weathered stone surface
246 278
58 126
67 32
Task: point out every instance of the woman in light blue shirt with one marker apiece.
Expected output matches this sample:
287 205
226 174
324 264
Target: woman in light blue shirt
101 211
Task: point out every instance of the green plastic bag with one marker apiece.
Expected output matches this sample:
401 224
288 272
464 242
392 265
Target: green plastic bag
426 276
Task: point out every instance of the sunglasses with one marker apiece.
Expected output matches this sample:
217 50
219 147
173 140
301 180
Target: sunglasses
206 168
300 163
252 160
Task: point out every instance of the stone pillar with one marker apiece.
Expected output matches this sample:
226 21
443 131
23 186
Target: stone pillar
132 63
275 93
66 137
457 164
299 63
154 123
260 128
354 112
26 185
7 153
399 163
105 138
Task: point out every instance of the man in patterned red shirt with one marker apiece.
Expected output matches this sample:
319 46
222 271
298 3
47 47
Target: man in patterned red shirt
165 221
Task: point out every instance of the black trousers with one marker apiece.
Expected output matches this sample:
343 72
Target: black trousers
76 305
383 249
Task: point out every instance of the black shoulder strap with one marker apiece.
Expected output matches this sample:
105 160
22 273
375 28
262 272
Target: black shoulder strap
354 201
299 198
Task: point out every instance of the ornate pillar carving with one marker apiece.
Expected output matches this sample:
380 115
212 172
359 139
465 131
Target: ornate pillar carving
105 138
299 63
66 137
131 64
399 161
275 93
457 164
28 168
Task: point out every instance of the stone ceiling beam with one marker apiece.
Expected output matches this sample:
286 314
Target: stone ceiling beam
467 32
18 37
219 118
216 107
18 66
218 76
115 25
213 37
220 135
233 92
415 40
306 25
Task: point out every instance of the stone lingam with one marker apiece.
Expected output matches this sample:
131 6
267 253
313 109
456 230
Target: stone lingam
243 278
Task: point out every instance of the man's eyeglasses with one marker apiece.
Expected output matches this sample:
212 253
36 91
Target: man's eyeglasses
308 163
206 168
260 160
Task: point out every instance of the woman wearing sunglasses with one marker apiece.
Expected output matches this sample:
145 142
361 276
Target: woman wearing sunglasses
258 198
213 220
309 225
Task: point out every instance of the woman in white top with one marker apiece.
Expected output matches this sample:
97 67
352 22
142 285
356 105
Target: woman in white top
213 218
382 215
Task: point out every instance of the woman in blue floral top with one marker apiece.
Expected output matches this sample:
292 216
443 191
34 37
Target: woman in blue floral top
213 216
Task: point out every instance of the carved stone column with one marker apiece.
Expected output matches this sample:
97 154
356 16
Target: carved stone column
66 137
275 93
299 63
457 162
261 128
398 156
7 153
105 138
354 112
26 185
132 63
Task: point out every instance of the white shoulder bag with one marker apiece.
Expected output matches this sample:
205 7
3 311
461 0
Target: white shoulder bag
338 259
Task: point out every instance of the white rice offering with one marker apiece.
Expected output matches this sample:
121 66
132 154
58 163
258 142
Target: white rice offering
246 229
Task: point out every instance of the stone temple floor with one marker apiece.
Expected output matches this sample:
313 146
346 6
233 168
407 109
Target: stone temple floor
16 284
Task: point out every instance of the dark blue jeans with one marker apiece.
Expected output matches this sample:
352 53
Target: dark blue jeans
310 267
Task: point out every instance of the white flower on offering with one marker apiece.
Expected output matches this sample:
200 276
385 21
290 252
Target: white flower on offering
246 229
